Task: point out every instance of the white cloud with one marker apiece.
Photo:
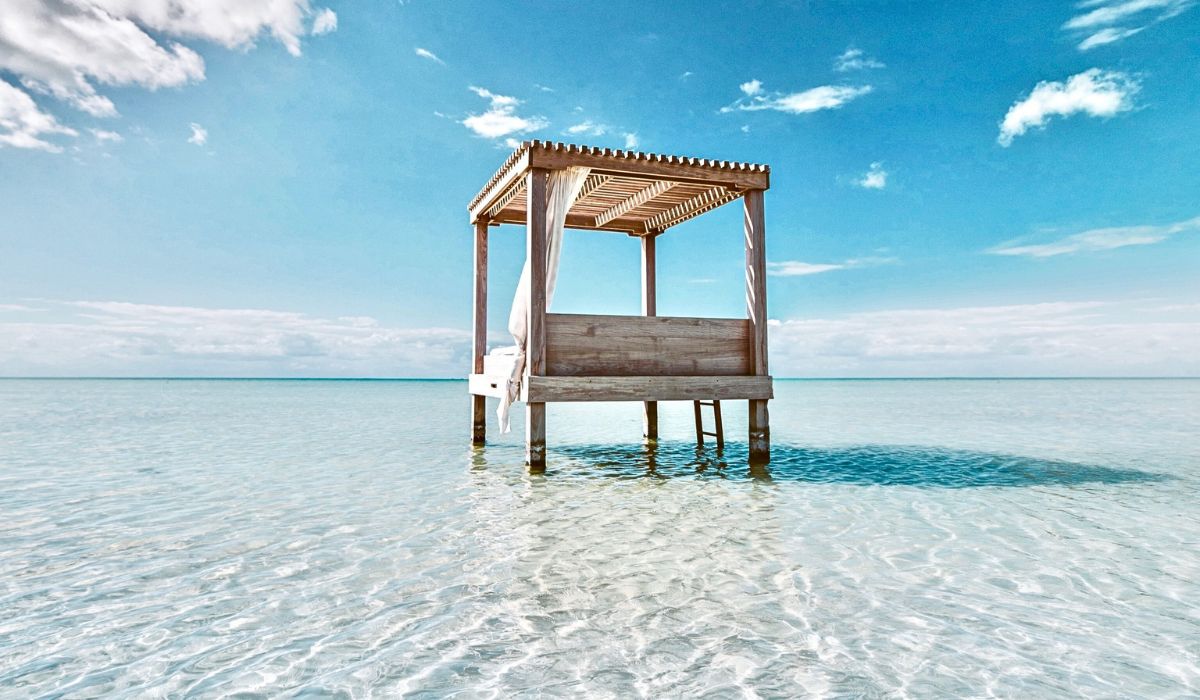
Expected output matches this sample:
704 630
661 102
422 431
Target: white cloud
1050 339
874 179
797 268
125 339
1102 22
23 124
587 128
325 22
102 135
1094 92
752 87
426 53
855 59
745 128
501 118
631 141
199 134
686 74
1098 239
66 48
512 143
811 100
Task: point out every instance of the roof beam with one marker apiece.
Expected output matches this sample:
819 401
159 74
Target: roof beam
633 202
705 201
506 198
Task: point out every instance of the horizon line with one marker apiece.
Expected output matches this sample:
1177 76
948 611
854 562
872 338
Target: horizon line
462 379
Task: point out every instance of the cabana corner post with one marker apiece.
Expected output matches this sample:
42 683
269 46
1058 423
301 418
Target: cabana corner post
647 358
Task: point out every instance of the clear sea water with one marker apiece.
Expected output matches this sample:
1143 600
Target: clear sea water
323 538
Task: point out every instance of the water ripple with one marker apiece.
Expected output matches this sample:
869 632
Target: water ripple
211 539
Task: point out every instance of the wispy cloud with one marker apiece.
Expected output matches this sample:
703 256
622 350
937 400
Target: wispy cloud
1102 22
631 141
123 339
199 135
798 268
875 178
1094 92
811 100
24 125
1098 239
854 59
501 118
426 53
64 50
1049 339
587 128
325 22
102 135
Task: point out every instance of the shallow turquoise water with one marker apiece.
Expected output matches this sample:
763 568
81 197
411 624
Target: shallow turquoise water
911 538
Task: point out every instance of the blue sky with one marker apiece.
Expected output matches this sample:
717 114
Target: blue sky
256 189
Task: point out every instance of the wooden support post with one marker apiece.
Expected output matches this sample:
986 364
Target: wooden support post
756 309
535 344
649 308
479 343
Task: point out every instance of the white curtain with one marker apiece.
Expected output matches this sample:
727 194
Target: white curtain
562 189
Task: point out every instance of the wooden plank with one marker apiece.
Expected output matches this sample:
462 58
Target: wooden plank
590 185
649 308
479 341
631 203
582 222
678 169
595 345
500 184
535 255
656 388
756 279
701 203
505 199
481 385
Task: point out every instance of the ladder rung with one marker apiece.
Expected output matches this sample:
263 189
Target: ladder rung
708 433
705 403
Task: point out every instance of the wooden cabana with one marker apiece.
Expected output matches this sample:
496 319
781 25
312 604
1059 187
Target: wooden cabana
647 358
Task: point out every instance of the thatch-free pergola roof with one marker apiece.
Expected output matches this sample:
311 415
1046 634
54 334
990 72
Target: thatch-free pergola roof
626 191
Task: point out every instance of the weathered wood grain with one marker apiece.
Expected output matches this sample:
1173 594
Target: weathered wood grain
535 256
649 308
756 279
547 389
586 345
479 340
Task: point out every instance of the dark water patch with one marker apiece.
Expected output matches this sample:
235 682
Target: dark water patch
867 465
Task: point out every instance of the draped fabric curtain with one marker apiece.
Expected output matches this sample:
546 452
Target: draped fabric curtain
562 189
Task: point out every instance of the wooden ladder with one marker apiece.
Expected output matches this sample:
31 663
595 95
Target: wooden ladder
719 433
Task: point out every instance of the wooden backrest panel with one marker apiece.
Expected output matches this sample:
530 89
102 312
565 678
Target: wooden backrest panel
581 345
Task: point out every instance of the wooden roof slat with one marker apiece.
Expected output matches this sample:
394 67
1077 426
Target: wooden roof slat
633 202
626 191
517 188
593 183
693 207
